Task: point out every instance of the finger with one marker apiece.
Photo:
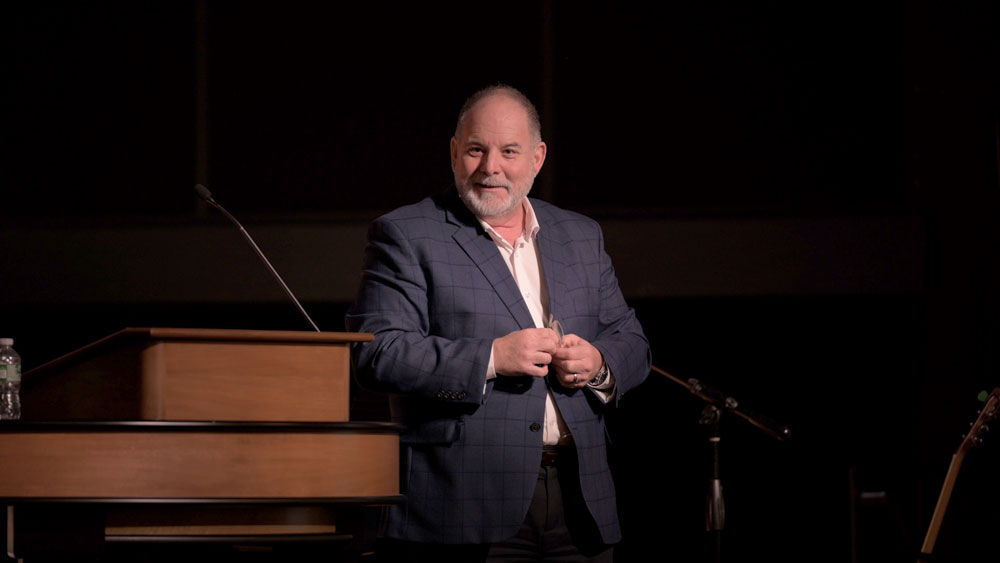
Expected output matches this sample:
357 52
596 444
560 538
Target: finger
571 365
532 369
567 355
549 340
571 340
566 380
537 371
571 380
537 364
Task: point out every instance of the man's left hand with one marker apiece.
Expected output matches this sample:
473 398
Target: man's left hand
576 362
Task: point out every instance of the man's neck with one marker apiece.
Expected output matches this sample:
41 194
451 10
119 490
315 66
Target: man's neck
509 226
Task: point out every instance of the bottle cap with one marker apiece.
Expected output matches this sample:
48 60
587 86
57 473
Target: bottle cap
6 341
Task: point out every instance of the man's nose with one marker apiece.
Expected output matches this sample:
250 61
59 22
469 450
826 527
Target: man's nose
490 163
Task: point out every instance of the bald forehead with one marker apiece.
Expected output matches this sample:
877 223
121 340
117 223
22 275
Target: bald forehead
502 102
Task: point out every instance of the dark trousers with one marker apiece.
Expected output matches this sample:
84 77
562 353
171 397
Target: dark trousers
558 527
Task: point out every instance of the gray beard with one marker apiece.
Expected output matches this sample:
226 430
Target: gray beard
490 206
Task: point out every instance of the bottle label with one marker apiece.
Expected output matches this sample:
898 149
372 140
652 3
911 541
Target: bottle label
10 372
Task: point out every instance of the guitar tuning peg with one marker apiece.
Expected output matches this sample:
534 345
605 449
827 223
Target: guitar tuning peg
984 428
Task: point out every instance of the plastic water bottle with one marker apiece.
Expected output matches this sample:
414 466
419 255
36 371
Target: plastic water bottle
10 381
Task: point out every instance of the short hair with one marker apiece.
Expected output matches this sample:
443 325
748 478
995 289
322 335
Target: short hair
503 90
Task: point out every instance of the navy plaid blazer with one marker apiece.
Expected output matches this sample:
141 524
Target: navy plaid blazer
435 292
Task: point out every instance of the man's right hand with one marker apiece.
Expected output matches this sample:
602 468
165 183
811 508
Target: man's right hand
525 352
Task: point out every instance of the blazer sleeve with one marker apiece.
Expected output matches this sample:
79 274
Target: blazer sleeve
621 339
392 304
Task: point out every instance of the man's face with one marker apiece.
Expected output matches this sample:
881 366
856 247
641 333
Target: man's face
495 158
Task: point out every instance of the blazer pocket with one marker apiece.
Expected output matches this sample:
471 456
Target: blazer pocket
439 432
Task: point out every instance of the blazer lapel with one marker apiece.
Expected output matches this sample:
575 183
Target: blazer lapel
483 252
551 241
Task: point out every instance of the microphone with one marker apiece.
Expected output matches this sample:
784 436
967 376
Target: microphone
206 195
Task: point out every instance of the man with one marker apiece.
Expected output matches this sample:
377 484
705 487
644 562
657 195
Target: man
504 449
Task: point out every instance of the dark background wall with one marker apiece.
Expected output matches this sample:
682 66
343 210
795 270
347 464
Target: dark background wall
788 226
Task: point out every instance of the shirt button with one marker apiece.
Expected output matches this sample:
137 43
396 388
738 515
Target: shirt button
535 427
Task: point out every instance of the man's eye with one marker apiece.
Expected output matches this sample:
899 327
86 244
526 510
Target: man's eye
475 150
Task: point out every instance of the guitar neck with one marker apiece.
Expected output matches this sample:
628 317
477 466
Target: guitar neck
942 503
987 414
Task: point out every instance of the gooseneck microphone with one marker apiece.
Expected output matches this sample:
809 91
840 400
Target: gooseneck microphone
207 196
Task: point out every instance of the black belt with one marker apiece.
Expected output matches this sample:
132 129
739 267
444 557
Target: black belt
551 455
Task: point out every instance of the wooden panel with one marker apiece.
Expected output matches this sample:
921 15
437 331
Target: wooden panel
198 465
197 374
91 386
245 381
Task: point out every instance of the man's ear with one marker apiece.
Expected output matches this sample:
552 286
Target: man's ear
539 156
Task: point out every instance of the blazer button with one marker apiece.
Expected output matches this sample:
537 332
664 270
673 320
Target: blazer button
535 427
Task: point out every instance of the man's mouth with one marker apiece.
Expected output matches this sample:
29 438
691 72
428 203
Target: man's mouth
483 186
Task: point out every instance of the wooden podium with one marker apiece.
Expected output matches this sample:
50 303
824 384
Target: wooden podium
160 436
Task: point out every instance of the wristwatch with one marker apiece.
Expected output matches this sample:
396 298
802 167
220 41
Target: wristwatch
601 377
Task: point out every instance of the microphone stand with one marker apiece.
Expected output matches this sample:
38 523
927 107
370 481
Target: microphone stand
206 195
711 416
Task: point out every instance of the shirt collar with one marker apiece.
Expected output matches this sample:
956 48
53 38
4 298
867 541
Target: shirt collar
531 226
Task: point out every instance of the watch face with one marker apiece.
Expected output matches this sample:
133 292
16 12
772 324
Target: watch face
602 375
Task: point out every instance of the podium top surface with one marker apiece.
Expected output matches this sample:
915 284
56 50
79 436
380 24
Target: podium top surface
134 335
247 335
